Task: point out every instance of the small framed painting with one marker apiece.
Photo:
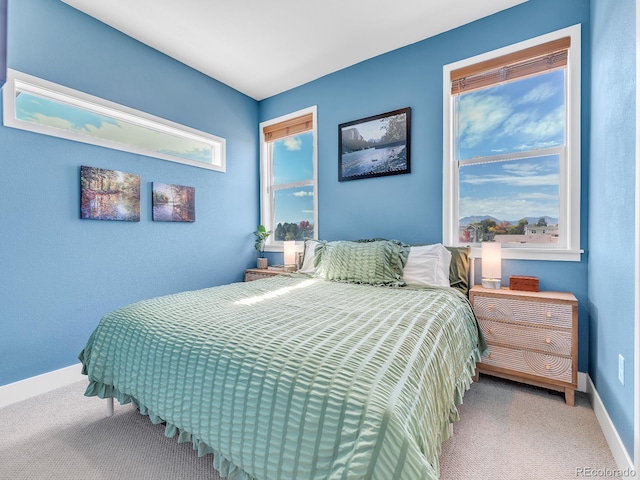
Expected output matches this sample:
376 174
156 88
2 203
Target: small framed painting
109 195
173 203
375 146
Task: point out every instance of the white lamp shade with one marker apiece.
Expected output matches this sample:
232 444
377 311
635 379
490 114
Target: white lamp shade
289 252
491 260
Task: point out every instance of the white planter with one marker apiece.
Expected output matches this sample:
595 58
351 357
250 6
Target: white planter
263 262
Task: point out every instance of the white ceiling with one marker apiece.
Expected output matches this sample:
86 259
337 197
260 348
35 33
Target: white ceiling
262 48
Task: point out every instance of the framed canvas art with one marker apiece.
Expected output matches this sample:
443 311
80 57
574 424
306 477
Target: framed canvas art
109 195
173 203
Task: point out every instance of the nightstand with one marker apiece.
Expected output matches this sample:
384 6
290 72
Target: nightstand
532 337
252 274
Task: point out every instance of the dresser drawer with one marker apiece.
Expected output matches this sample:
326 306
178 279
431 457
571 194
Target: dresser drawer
518 310
531 363
557 342
252 274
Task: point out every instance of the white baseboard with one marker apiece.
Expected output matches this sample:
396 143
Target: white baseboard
30 387
620 454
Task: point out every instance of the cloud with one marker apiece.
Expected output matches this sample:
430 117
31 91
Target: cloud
536 167
499 117
534 128
292 143
551 179
480 115
303 193
540 93
54 122
539 196
514 209
521 168
83 122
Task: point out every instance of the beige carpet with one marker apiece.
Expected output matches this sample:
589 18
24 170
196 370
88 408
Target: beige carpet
512 431
507 431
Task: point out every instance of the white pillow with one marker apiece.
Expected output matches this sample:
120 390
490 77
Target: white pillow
307 262
428 265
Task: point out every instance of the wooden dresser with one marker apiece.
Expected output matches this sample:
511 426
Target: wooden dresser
532 337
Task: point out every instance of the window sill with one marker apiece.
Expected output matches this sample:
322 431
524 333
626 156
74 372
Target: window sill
561 255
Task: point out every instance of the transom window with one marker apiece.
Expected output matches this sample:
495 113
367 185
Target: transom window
40 106
288 177
512 158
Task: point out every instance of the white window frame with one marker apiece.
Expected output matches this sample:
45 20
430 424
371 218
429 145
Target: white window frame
569 188
22 82
267 191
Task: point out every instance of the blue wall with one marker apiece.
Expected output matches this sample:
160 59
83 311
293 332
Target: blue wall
3 41
409 207
611 208
60 274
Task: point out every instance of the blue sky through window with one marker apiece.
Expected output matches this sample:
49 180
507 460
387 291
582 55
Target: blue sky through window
43 111
293 205
511 190
518 116
293 163
293 159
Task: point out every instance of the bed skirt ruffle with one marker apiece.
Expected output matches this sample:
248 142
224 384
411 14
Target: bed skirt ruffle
223 466
228 469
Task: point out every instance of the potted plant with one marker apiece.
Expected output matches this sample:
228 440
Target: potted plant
261 237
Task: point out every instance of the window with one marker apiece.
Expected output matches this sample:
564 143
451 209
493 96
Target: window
512 149
40 106
288 177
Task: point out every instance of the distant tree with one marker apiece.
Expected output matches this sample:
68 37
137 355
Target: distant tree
502 228
280 232
541 222
519 229
305 230
487 223
291 231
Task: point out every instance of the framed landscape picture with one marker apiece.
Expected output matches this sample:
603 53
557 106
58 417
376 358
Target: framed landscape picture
109 195
173 203
375 146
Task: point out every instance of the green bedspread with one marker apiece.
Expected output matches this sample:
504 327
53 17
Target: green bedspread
294 377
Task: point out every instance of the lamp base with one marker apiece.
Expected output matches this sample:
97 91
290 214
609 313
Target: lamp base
492 283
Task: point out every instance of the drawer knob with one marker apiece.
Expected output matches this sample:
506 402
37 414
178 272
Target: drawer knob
548 314
491 330
547 340
491 355
492 307
547 367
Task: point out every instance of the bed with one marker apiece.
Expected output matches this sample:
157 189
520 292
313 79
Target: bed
298 376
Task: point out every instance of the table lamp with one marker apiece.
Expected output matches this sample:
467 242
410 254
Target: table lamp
491 264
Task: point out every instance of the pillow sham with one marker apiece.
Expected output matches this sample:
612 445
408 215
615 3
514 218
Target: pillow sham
459 268
374 263
428 265
309 255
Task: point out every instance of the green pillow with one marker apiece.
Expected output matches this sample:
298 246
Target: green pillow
459 268
375 263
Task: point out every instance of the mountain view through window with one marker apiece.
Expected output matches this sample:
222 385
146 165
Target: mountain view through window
510 146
